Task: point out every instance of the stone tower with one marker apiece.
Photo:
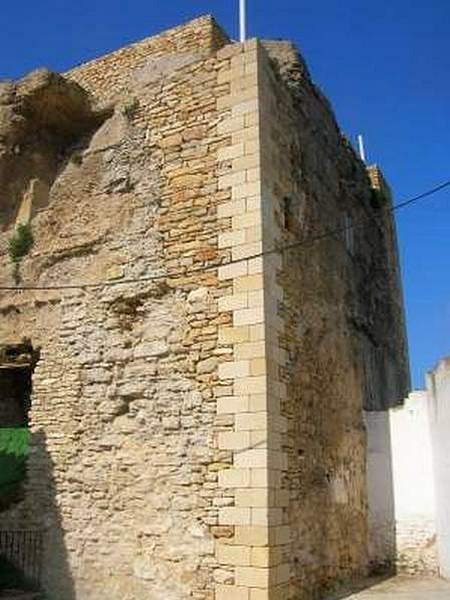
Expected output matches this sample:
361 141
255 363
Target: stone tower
215 338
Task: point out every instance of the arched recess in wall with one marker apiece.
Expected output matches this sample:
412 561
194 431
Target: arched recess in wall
17 364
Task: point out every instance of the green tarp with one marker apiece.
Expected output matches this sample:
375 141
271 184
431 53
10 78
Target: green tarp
14 442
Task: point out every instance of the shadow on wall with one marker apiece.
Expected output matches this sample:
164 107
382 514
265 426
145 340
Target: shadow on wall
348 592
57 580
33 542
380 491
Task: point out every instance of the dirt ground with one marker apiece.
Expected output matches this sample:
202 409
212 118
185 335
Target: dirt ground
403 588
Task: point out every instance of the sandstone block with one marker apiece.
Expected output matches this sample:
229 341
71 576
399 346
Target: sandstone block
234 478
230 440
247 283
233 555
231 515
244 190
244 107
233 335
257 498
234 370
231 238
251 535
234 152
234 270
251 421
248 316
249 350
232 404
233 302
258 403
246 251
252 459
231 592
252 577
231 125
249 385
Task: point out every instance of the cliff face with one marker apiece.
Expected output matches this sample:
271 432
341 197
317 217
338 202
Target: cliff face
42 118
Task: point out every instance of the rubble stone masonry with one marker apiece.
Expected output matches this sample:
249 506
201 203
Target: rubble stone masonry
197 406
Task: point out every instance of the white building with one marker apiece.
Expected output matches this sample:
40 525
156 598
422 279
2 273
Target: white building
439 402
420 438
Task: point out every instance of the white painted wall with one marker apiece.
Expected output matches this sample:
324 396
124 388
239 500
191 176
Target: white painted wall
380 489
439 392
414 493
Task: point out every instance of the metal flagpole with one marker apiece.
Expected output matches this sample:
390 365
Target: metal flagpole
242 20
362 150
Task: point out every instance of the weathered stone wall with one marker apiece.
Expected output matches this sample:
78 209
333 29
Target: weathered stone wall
258 570
114 76
329 312
124 468
199 432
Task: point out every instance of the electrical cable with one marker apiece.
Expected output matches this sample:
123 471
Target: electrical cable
277 250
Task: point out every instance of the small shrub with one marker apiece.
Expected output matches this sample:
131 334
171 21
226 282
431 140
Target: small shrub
129 109
378 198
21 242
76 157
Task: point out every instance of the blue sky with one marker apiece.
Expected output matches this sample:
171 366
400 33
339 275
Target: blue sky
385 66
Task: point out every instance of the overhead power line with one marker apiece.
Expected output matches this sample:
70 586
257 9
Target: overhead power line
276 250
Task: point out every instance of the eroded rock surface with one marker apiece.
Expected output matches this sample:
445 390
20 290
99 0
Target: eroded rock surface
42 117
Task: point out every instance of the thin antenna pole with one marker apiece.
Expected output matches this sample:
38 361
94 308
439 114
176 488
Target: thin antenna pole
242 20
362 151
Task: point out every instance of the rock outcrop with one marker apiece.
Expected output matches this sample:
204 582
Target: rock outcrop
42 117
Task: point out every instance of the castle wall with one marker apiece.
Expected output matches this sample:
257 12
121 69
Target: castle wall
123 473
115 75
200 432
329 305
415 510
255 550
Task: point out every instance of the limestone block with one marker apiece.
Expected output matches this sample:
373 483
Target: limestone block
151 349
234 478
231 440
252 577
229 209
231 515
231 238
251 535
234 270
231 592
248 316
233 302
232 404
234 370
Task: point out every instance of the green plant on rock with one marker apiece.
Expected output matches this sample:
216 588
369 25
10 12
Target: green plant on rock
19 246
378 198
21 242
77 157
130 108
